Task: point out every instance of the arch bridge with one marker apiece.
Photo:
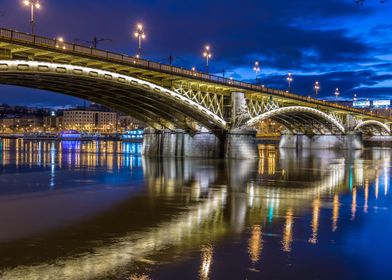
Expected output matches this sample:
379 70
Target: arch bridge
189 113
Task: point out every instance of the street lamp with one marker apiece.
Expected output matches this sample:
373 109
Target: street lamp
289 80
337 93
34 4
256 68
316 87
207 54
140 35
60 43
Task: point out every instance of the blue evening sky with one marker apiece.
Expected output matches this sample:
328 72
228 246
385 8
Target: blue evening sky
336 42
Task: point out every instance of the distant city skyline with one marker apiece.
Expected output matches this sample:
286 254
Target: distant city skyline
337 43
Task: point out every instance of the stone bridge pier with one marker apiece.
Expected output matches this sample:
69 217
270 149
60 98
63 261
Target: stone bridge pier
179 143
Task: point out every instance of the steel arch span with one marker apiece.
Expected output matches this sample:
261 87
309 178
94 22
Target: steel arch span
157 106
373 123
298 117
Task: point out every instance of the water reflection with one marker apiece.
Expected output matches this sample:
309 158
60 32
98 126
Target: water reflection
288 231
255 244
206 262
284 197
70 154
315 220
354 203
335 212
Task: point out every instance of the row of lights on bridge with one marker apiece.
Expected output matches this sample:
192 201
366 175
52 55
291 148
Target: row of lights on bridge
140 35
317 88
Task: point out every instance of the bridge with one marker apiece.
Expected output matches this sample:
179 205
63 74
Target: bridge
189 113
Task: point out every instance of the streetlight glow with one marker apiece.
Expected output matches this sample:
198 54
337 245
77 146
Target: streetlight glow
140 35
256 68
337 93
60 43
34 4
289 80
207 54
316 87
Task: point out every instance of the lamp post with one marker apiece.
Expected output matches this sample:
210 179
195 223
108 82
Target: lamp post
207 55
256 68
34 4
60 43
140 35
337 93
316 87
289 80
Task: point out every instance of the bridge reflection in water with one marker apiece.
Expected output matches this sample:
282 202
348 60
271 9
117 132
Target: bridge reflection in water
183 209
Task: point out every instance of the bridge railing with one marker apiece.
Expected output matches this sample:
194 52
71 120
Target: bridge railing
71 48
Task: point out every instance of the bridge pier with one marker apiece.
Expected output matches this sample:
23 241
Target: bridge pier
178 143
378 141
339 142
237 144
241 144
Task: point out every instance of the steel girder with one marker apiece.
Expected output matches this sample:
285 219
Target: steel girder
300 118
154 104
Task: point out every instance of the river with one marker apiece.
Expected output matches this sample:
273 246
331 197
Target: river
99 210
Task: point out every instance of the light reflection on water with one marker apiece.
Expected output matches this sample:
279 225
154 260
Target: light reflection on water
128 217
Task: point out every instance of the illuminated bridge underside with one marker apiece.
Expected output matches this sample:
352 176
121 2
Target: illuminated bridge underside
157 106
300 119
372 127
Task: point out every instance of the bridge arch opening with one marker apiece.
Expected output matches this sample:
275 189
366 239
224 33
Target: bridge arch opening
151 103
301 119
373 127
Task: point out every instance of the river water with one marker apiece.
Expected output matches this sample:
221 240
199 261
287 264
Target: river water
98 210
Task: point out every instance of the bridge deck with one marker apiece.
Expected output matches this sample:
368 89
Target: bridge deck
14 44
